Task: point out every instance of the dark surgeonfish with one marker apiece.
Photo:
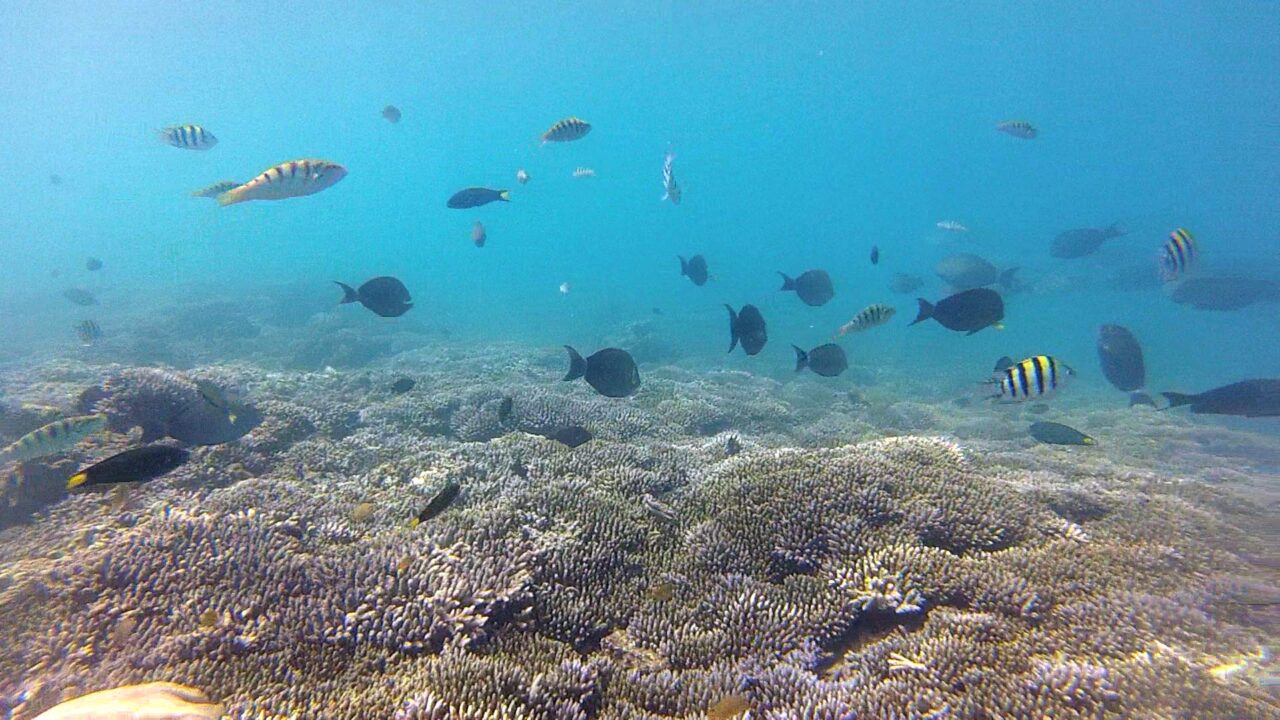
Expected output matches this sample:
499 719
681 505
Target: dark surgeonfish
1230 292
1082 241
966 271
967 312
391 113
1053 433
572 435
611 371
695 268
438 504
477 196
1121 358
385 296
826 360
1248 398
812 286
402 385
747 327
80 296
137 465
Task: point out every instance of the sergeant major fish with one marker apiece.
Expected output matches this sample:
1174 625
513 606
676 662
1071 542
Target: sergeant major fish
869 317
187 137
88 332
1018 128
295 178
1037 377
567 130
1178 255
670 188
53 438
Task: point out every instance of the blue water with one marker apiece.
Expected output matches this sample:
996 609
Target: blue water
805 134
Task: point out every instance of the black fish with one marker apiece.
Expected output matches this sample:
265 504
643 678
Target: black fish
968 311
1121 359
391 113
1082 241
875 254
439 503
403 385
79 296
747 327
1054 433
1230 292
137 465
477 196
1004 363
385 296
572 435
905 283
695 268
826 360
610 371
1248 398
92 264
732 446
812 286
505 408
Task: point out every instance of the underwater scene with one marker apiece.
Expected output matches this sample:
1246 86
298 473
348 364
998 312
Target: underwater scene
639 360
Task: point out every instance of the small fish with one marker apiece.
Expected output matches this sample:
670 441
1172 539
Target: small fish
813 287
952 226
747 327
363 511
1052 433
583 172
875 254
216 397
384 296
728 707
80 296
567 130
657 508
1036 377
611 371
53 438
296 178
968 311
476 196
187 137
216 189
1248 398
522 177
137 465
1004 363
504 409
670 188
478 235
88 332
391 113
55 179
565 288
1178 255
695 268
867 318
438 504
402 385
92 264
1018 128
572 435
826 360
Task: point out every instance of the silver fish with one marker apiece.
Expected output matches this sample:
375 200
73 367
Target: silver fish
671 189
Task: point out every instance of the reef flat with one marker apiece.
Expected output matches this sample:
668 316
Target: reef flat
819 552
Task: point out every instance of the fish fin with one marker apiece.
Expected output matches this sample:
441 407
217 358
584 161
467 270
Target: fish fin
1178 399
349 294
787 283
505 196
802 358
926 311
77 480
230 197
733 328
577 366
665 197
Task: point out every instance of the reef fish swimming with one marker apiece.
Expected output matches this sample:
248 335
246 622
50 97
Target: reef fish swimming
1082 241
1052 433
875 254
1223 293
476 196
391 114
92 264
438 504
584 172
1018 128
216 189
966 270
952 226
53 438
402 385
88 332
1248 398
670 188
187 137
747 327
869 317
695 268
478 234
296 178
80 296
826 360
611 371
572 435
1037 377
1178 254
385 296
567 130
137 465
1122 363
813 287
968 311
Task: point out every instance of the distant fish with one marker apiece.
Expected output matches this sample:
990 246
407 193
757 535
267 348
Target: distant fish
1053 433
565 288
1037 377
747 327
572 435
584 172
611 371
402 385
875 254
1224 293
92 264
53 438
905 283
963 271
55 180
80 296
813 287
187 137
968 311
1082 241
438 504
732 446
478 235
695 268
476 196
952 226
505 409
88 332
216 189
869 317
296 178
670 188
1178 255
567 130
522 177
137 465
826 360
1248 398
1122 363
391 113
1018 128
384 296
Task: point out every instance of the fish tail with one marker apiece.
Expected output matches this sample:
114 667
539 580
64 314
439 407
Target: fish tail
926 311
77 480
577 366
787 283
1178 399
505 196
231 197
802 358
684 264
733 328
349 294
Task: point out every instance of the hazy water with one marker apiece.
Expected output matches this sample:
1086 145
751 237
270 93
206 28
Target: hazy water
805 134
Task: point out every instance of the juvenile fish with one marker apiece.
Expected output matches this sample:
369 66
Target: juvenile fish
869 317
438 504
216 189
296 178
187 137
1018 128
137 465
567 130
53 438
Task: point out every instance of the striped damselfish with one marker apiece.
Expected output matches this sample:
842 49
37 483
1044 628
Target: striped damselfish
1037 377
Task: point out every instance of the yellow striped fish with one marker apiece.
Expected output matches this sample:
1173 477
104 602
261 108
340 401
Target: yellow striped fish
1037 377
216 189
53 438
187 137
1180 253
568 129
286 180
869 317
